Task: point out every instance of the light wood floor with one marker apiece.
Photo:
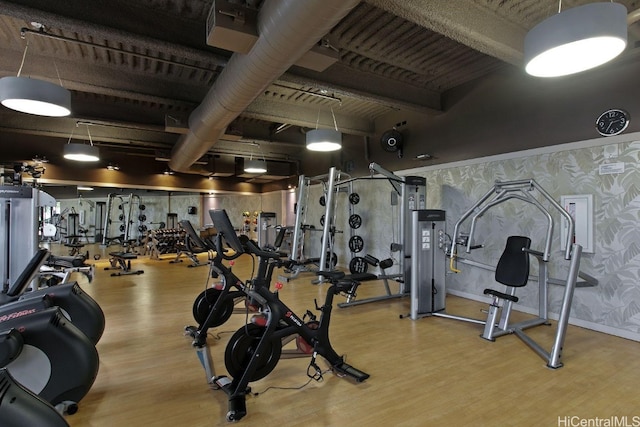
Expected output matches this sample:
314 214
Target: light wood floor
431 372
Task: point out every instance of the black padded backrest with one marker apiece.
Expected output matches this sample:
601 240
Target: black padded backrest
29 272
191 233
222 222
280 237
513 266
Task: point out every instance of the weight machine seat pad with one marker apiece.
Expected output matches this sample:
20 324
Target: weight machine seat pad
513 266
361 277
501 295
332 275
123 255
66 261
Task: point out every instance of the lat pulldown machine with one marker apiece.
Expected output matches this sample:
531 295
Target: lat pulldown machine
428 290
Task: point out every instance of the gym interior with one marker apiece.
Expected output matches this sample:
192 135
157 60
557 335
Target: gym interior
469 256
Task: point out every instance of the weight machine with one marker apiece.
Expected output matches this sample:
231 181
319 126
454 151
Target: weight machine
19 228
411 195
431 247
267 229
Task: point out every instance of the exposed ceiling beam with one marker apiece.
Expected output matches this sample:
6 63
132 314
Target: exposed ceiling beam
88 29
342 80
465 22
305 116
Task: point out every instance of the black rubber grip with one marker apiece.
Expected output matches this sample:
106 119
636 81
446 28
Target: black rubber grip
533 252
501 295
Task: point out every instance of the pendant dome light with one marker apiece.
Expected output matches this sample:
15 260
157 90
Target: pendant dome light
576 39
81 152
255 166
34 96
324 139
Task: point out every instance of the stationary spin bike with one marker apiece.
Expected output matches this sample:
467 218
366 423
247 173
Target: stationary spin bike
255 349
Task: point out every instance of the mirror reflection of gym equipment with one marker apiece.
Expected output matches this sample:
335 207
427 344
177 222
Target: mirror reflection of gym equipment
124 221
433 245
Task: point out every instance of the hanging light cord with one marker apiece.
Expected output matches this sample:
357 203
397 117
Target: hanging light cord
71 136
335 124
90 139
88 133
24 55
55 65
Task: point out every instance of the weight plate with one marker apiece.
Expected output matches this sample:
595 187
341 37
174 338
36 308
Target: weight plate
332 261
142 207
355 221
354 198
322 220
323 201
356 244
142 218
358 265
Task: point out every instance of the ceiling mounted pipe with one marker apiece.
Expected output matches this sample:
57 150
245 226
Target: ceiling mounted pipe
287 29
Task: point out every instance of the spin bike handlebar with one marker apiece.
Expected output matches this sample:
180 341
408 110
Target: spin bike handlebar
262 253
220 252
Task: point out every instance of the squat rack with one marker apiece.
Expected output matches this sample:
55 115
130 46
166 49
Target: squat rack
297 249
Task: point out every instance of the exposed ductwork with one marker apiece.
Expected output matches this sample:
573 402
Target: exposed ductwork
287 29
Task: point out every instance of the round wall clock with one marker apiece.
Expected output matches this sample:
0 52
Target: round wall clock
612 122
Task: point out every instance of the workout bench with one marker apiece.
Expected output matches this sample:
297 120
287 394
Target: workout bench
365 277
122 261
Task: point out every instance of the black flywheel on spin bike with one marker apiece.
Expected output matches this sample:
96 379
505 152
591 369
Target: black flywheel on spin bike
205 301
241 347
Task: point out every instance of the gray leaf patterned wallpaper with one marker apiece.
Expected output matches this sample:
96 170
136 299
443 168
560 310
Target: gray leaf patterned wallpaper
615 303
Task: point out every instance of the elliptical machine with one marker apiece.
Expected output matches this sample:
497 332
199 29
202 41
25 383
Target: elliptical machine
41 348
255 349
48 355
19 407
76 304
